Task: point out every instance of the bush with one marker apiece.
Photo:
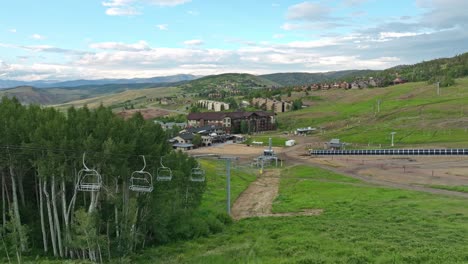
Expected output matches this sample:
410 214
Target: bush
224 218
214 224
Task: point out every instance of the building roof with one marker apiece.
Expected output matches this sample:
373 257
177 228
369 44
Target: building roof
207 128
186 136
182 145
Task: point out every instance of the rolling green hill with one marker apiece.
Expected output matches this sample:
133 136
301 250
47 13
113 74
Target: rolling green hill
60 95
228 81
442 70
139 96
303 78
413 110
30 95
361 223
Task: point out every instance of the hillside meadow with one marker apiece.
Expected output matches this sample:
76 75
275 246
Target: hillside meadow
413 110
361 223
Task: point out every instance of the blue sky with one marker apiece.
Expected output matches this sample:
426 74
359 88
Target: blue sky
73 39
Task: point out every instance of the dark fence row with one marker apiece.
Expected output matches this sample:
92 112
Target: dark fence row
376 152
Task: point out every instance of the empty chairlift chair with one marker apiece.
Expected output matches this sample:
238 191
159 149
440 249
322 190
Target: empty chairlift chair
197 175
89 180
141 181
164 173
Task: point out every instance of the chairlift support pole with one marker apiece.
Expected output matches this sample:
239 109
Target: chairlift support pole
228 181
228 176
228 185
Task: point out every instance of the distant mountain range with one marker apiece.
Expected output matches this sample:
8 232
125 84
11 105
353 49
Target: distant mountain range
76 83
442 70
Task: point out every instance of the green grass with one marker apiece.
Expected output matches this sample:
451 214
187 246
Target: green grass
413 110
214 198
361 223
460 188
137 97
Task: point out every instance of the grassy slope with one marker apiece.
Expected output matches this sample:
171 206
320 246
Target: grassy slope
239 79
30 95
58 95
361 224
413 110
119 98
214 198
304 78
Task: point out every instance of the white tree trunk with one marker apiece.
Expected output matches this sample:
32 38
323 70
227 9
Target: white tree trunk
41 212
21 189
3 199
94 201
65 215
51 220
117 228
16 209
58 230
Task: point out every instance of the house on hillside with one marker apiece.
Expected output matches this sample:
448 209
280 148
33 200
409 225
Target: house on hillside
399 80
231 121
213 105
183 138
183 146
170 125
273 105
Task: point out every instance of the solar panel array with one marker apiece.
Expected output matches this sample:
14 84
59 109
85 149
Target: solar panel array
384 152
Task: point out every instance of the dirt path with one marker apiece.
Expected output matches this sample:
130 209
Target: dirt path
257 200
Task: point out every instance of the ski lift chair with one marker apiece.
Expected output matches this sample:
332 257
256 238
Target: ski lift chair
197 175
89 180
141 181
164 173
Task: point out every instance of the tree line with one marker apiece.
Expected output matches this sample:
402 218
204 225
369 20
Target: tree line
43 210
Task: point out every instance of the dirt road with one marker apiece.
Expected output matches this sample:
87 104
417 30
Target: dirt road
410 173
257 200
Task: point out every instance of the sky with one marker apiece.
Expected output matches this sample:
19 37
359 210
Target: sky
93 39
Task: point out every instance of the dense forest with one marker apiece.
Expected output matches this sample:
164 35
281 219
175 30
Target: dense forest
74 185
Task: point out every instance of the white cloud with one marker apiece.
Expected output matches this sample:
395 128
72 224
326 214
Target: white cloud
353 2
114 3
129 7
193 42
122 11
163 27
38 37
378 47
139 46
308 11
12 30
388 35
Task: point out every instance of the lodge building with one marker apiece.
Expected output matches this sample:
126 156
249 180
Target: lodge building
257 121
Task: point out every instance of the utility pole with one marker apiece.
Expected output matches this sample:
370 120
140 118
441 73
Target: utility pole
228 181
228 185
